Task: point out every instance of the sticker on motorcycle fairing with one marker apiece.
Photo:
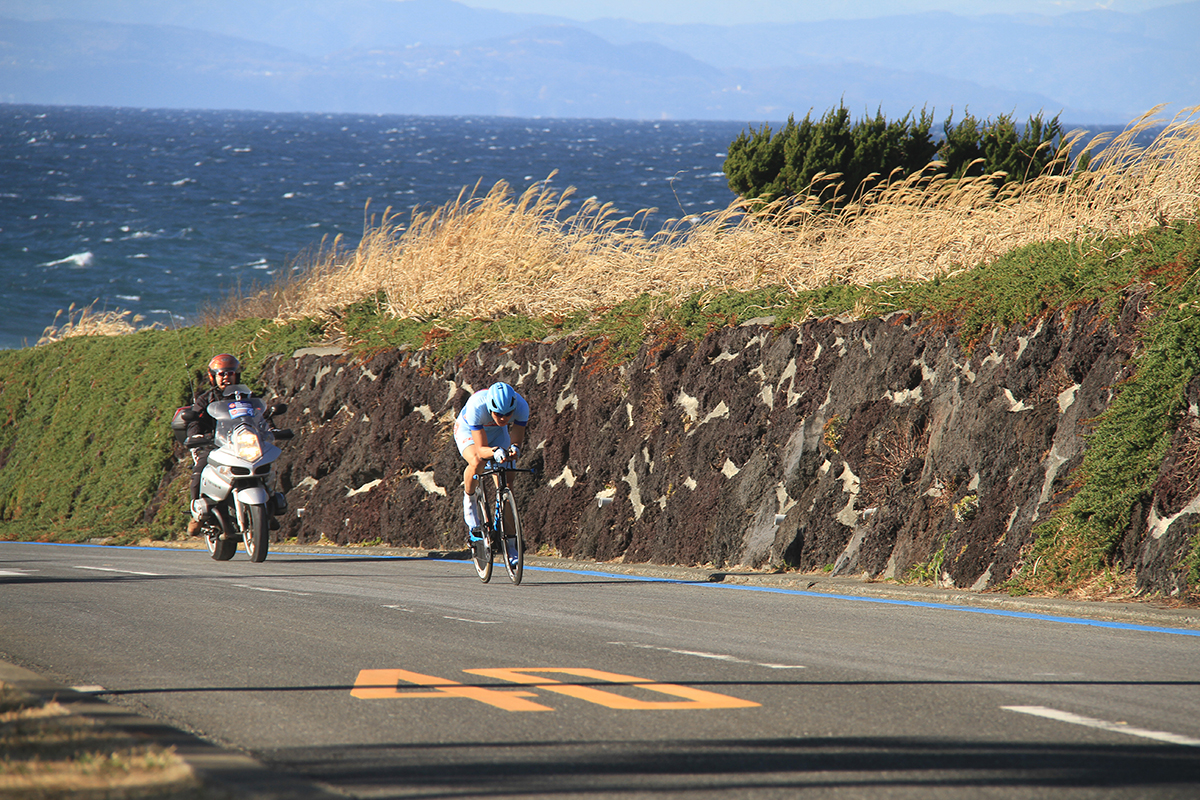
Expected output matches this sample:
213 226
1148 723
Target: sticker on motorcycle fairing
241 410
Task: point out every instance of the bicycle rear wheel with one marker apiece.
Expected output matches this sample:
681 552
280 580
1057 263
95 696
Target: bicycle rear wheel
481 551
513 546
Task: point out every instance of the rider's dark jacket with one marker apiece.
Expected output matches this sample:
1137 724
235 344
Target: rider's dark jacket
203 422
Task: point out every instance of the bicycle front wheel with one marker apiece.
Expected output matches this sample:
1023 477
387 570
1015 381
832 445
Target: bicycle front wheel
510 534
481 551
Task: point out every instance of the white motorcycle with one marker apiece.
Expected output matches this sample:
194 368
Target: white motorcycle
237 483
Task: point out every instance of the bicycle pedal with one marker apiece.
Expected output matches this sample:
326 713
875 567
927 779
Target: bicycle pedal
479 549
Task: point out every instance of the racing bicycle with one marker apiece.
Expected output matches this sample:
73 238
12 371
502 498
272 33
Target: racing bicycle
501 524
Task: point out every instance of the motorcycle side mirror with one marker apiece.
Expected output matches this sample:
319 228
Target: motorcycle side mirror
278 408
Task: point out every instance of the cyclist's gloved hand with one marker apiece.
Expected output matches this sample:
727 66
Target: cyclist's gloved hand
500 456
514 452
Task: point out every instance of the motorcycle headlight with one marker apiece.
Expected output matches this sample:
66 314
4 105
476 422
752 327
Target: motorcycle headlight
247 445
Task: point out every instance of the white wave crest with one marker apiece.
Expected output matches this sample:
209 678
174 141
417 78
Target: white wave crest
76 261
261 263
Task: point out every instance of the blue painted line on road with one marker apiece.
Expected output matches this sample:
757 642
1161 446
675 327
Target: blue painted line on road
995 612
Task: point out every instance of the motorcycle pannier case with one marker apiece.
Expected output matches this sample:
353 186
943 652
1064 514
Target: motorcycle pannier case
179 424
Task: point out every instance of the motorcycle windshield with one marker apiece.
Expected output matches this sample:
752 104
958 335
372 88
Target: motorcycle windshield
239 412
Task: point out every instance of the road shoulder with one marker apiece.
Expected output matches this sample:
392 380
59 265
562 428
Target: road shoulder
221 774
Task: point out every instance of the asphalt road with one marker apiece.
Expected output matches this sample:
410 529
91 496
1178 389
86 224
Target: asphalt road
389 677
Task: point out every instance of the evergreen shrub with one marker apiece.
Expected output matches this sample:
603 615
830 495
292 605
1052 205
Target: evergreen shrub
853 156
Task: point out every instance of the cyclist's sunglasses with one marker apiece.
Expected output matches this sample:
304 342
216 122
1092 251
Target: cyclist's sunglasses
225 373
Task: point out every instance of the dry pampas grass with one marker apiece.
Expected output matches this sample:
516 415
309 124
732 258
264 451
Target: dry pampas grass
496 253
87 321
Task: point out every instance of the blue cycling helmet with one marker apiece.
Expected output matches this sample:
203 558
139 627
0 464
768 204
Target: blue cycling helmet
502 398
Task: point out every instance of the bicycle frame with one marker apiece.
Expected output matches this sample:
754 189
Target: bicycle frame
500 534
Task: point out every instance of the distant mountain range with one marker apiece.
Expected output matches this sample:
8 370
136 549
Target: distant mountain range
439 57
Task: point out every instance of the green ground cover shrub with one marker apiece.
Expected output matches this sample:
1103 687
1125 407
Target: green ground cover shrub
1131 437
368 328
84 423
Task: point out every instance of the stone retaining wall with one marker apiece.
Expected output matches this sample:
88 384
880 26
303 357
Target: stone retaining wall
863 446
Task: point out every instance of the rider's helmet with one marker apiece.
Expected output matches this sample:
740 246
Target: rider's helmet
502 398
224 363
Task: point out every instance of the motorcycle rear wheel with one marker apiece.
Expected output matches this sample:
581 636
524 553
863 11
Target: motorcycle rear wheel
258 535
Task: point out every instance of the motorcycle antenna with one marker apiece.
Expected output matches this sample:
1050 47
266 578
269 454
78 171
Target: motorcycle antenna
186 366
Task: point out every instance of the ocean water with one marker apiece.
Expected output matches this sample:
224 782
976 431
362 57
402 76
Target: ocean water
163 212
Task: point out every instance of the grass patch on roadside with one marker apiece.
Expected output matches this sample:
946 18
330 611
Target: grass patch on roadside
49 752
1131 436
84 436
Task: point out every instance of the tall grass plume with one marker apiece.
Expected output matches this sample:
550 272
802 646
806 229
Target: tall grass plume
87 321
488 254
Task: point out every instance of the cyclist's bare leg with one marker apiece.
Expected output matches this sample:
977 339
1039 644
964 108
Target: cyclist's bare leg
475 460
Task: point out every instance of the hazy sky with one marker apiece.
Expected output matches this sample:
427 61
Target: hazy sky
724 12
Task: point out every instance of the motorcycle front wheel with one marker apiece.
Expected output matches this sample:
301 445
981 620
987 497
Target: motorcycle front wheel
220 548
258 534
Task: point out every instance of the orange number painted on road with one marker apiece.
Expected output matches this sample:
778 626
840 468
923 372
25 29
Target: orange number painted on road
381 684
692 698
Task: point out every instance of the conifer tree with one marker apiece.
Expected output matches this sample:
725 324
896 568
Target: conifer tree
769 165
973 148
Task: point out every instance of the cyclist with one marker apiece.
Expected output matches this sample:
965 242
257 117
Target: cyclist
482 432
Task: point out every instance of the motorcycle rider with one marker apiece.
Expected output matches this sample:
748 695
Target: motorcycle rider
223 371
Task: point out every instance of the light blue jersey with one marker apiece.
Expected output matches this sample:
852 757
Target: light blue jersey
475 416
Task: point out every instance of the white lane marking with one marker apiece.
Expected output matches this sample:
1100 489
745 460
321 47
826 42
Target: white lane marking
1104 725
121 571
17 572
715 656
89 689
273 591
453 619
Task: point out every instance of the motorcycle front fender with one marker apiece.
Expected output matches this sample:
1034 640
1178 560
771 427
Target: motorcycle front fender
252 496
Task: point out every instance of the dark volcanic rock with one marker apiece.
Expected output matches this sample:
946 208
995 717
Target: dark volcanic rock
868 446
1159 541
